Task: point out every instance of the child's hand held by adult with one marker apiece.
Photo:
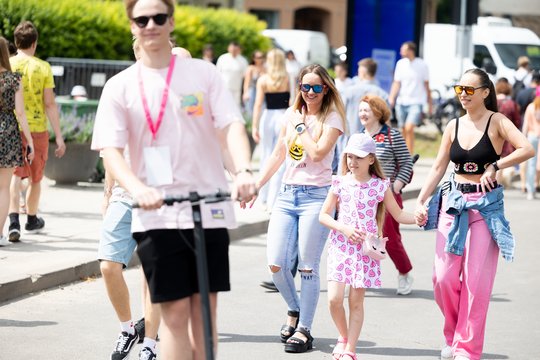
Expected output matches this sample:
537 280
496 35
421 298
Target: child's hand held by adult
420 215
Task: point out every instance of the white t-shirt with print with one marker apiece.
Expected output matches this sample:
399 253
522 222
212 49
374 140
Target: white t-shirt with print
198 103
300 169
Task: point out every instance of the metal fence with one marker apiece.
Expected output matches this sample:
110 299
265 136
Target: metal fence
90 73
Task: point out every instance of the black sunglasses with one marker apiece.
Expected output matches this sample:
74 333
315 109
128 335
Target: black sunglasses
469 90
317 89
142 21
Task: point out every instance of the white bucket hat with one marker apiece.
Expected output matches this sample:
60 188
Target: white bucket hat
78 90
360 145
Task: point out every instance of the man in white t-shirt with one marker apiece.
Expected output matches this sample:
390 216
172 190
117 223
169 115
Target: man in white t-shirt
232 67
410 91
180 123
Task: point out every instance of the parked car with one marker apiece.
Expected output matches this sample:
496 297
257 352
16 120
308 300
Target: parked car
496 46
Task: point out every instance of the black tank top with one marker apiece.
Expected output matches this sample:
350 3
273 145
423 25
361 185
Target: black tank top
279 100
475 160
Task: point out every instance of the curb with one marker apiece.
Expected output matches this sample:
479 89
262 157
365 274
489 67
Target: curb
33 283
38 282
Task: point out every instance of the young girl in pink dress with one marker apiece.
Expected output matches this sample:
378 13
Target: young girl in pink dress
360 196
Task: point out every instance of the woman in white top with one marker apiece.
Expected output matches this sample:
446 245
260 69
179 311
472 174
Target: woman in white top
306 144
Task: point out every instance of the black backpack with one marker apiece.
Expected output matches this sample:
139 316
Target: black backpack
517 87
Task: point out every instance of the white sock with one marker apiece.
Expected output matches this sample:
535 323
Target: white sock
128 327
150 343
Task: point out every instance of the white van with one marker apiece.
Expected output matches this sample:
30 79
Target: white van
496 48
309 47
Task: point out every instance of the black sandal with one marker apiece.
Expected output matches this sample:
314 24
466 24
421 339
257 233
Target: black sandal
289 329
296 345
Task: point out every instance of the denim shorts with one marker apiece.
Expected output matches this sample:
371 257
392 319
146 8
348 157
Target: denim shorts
116 243
409 114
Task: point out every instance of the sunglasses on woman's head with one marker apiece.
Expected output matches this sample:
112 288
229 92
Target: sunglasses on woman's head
469 90
142 21
317 89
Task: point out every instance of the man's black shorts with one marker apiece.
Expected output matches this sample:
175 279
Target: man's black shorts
169 264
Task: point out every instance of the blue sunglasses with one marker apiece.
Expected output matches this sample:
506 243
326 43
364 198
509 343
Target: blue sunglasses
317 89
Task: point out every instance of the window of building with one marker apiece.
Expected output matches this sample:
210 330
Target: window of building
271 17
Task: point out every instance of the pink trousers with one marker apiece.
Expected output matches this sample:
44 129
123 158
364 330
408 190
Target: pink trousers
462 285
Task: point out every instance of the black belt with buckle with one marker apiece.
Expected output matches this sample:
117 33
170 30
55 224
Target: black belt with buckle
472 188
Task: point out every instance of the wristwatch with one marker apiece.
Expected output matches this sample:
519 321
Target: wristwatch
300 128
495 166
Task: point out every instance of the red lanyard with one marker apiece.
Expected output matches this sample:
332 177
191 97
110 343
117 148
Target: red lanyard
155 127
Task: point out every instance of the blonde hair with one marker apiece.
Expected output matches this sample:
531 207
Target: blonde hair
275 68
375 169
331 100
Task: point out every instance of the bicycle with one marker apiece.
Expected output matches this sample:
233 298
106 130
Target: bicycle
200 249
446 109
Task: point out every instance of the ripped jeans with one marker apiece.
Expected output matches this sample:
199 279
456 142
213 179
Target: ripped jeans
295 231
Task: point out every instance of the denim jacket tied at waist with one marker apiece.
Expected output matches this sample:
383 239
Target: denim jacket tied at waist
491 207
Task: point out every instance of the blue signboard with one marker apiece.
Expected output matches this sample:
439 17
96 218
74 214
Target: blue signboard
380 24
386 59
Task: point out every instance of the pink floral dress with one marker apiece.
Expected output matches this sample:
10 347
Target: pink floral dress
357 206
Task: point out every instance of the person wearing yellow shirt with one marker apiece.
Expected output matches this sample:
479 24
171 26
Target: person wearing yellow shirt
39 105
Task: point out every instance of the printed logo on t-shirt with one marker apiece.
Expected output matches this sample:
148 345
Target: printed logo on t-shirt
296 150
193 104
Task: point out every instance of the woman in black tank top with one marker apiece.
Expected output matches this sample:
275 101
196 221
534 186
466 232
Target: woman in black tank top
463 280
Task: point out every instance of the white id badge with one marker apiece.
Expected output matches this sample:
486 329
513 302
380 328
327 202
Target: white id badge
157 161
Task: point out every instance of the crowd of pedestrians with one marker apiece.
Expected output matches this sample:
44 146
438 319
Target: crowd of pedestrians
155 115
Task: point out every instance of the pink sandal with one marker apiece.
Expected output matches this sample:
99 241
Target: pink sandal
349 354
339 348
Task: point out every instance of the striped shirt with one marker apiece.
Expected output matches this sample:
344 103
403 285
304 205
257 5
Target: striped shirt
393 155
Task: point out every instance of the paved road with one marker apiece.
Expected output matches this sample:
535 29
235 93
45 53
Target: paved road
77 322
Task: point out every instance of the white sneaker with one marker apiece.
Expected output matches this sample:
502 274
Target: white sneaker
4 241
446 353
404 284
530 196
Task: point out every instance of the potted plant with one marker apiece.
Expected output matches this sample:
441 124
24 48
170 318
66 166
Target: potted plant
79 161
